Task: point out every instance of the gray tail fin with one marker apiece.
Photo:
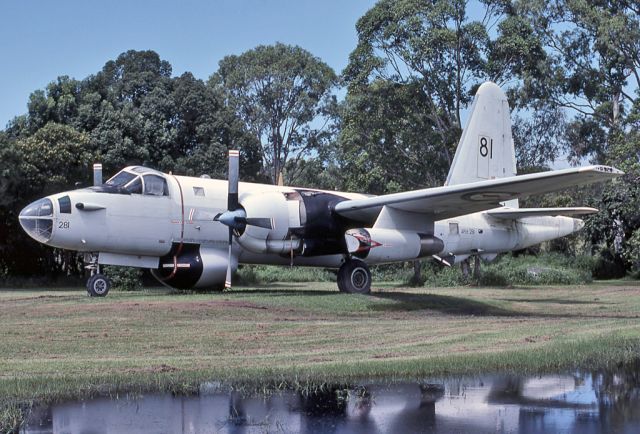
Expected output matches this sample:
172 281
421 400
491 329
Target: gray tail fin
485 150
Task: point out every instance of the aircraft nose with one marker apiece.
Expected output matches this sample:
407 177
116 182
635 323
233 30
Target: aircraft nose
577 224
37 219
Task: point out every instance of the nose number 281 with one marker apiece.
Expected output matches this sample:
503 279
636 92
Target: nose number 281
63 224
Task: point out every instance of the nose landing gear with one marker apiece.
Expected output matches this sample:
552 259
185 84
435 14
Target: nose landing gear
354 277
98 285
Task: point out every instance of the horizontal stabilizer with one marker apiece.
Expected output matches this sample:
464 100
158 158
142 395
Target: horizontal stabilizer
508 213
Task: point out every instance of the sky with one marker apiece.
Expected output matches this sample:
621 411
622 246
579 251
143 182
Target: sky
43 39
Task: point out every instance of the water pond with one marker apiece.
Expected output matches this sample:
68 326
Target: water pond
602 401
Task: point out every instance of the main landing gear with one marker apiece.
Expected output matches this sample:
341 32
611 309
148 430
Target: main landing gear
354 277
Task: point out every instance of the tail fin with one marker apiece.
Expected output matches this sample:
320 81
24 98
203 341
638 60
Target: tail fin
485 150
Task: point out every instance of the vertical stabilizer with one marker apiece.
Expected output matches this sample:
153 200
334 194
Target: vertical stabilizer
486 147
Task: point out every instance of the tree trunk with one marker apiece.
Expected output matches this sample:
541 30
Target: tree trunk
476 268
464 267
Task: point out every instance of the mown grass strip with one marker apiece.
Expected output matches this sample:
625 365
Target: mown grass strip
61 345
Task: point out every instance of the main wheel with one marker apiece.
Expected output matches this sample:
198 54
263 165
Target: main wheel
354 277
98 285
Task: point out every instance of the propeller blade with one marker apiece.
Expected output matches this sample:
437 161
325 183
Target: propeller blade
234 174
227 281
263 222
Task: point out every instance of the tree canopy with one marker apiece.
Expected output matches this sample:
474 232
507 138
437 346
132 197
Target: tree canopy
283 95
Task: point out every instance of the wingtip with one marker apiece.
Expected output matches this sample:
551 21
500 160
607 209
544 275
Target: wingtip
603 169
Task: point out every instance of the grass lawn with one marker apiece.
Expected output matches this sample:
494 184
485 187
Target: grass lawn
61 343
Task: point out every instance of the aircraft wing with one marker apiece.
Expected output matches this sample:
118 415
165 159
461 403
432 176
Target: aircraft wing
508 213
454 200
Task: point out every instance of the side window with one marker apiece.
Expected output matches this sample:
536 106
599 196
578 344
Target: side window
453 229
155 185
65 205
135 186
198 191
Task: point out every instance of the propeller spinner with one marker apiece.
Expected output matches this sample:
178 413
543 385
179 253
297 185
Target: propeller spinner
235 217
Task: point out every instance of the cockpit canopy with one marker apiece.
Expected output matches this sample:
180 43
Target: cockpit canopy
136 180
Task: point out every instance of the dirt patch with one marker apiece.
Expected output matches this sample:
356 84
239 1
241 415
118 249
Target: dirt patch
155 369
385 356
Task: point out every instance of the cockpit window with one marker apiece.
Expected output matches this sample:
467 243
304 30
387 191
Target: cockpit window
120 179
134 186
65 205
155 185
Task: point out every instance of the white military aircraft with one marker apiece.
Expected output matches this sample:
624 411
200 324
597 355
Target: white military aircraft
193 232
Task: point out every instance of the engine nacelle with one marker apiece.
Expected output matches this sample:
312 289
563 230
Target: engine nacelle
193 266
303 223
390 245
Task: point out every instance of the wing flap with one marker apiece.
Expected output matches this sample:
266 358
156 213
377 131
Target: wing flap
519 213
454 200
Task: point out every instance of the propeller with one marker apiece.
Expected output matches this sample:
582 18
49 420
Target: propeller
236 217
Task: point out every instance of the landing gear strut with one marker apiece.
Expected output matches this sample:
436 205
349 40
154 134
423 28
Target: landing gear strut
98 285
354 277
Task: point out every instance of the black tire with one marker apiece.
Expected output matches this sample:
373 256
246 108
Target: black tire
354 277
98 285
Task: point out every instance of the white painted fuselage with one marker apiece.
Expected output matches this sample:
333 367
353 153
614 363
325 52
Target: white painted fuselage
138 229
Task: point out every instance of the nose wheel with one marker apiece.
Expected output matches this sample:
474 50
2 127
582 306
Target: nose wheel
98 285
354 277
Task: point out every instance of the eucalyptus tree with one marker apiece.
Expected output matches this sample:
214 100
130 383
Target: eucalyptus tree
284 95
595 76
434 48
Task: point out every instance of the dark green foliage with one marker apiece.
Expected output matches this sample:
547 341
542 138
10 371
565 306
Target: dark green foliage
130 112
409 77
261 274
594 75
283 95
124 278
508 270
548 269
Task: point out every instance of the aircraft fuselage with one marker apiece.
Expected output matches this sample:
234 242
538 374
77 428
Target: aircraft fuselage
172 229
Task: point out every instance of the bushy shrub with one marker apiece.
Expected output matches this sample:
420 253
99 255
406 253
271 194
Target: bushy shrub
608 266
124 278
258 274
547 269
632 252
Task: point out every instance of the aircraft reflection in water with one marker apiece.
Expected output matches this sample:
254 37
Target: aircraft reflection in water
193 232
599 402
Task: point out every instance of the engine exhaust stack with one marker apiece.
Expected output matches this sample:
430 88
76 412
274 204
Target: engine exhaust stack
97 174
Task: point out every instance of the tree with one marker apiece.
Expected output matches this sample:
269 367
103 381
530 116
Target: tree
283 94
386 144
54 158
130 112
431 45
595 77
49 161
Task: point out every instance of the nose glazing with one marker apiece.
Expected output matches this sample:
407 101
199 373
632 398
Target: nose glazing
577 224
37 220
